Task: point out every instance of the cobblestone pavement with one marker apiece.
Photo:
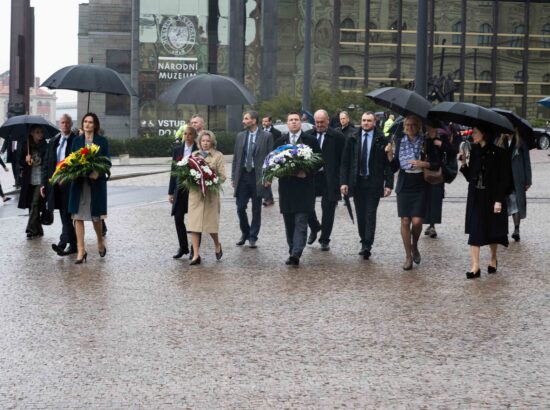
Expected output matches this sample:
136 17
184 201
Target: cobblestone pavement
137 329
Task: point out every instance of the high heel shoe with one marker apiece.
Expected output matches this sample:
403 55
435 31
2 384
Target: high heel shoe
492 269
408 266
220 253
195 261
83 259
103 252
473 275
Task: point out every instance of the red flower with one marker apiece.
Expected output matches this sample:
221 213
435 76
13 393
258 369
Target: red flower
178 159
84 151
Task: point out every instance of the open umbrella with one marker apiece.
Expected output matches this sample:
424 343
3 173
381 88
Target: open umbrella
89 78
545 102
470 114
401 100
525 129
207 89
18 127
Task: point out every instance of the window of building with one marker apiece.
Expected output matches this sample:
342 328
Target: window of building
545 88
546 32
518 88
347 71
117 104
374 37
457 38
350 36
485 88
483 40
517 41
119 60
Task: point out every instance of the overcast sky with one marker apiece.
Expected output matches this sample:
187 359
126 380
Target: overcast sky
56 38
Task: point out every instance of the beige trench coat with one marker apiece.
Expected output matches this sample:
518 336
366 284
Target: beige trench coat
204 212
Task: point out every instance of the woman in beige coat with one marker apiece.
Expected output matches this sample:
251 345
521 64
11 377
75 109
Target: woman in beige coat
204 211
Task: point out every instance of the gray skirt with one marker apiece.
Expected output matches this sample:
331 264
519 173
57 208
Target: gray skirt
85 205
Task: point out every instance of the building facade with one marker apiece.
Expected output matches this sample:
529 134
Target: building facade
494 53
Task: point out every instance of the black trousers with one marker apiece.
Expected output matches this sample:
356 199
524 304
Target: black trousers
247 190
328 209
68 235
179 215
296 232
34 227
366 199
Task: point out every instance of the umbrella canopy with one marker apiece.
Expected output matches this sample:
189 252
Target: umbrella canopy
89 78
544 102
348 207
525 129
207 89
401 100
18 127
470 114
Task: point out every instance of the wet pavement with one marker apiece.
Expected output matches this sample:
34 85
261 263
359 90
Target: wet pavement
137 329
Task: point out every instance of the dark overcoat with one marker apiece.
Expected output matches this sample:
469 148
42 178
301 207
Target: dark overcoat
54 194
98 187
380 171
333 147
494 163
25 170
297 195
521 173
181 195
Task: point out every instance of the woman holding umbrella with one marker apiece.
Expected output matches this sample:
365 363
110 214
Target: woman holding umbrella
518 152
30 165
488 174
88 196
411 157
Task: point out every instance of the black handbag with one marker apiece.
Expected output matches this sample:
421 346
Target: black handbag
46 217
450 168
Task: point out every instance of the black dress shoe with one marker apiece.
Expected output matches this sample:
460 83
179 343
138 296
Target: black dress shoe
252 243
417 258
103 252
312 236
60 250
363 250
241 241
292 261
195 261
180 253
70 250
473 275
191 253
366 254
515 235
268 202
492 269
325 246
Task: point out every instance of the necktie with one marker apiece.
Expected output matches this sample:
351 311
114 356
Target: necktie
293 139
249 152
321 139
365 155
60 152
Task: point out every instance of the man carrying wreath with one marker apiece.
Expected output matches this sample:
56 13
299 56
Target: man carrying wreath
296 192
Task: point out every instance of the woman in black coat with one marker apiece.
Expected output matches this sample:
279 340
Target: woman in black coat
488 174
31 158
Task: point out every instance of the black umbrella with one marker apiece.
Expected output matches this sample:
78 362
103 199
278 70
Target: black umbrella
348 207
470 114
525 129
207 89
89 78
18 127
401 100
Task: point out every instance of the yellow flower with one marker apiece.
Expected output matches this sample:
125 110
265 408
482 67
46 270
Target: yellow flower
95 148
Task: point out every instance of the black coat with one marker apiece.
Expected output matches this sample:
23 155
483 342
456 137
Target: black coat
348 131
38 151
494 164
12 157
181 195
332 150
48 168
275 132
379 166
297 195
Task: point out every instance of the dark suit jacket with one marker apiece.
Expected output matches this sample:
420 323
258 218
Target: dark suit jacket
264 145
275 132
348 131
98 187
173 185
297 195
380 171
48 168
333 147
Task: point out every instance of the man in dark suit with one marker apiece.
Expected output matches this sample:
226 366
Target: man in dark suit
267 124
251 147
346 127
366 175
57 196
296 192
179 196
327 180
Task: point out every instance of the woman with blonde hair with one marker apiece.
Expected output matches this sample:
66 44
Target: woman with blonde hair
204 211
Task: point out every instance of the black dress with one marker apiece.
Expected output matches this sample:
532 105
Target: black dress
488 176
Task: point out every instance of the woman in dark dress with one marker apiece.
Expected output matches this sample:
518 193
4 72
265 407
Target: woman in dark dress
410 159
88 196
518 152
488 174
436 192
31 157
